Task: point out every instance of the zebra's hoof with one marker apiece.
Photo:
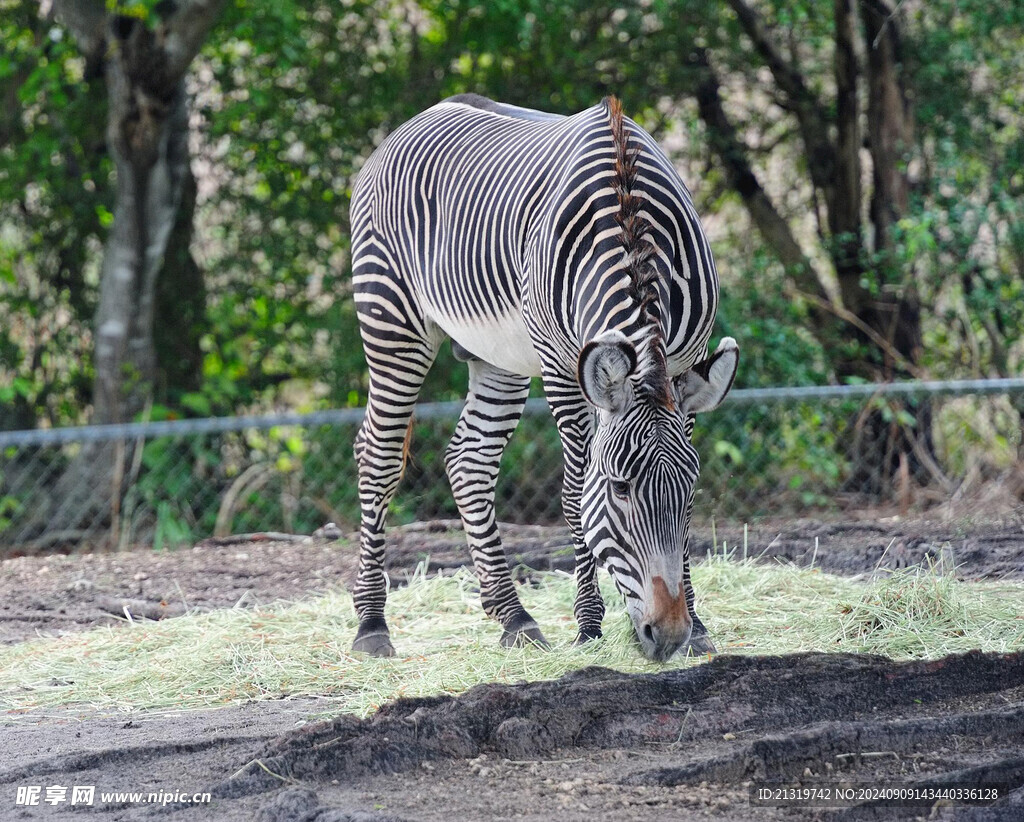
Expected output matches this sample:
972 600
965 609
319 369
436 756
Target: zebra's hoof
523 637
700 645
586 635
374 645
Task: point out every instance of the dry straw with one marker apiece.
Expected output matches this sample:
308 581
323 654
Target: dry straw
446 645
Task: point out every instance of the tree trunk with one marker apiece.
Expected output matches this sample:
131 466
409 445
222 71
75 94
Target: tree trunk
894 312
845 203
890 136
148 139
147 136
733 154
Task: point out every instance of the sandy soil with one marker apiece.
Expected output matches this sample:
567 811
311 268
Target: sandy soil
597 745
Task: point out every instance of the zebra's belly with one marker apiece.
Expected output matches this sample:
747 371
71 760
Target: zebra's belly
502 340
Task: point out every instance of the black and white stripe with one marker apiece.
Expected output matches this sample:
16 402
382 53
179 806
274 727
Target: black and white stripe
500 228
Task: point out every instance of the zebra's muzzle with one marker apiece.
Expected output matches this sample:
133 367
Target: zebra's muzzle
666 624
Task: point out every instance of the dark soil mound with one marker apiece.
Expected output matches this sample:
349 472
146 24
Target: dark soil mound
737 719
595 746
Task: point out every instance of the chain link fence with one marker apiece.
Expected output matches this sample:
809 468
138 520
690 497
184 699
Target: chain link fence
781 452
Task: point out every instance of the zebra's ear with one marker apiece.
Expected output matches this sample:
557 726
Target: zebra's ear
603 370
705 385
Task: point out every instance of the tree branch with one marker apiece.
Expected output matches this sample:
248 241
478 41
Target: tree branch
873 335
787 77
734 156
804 105
185 30
156 59
86 20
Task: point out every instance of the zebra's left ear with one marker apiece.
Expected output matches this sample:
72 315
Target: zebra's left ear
705 385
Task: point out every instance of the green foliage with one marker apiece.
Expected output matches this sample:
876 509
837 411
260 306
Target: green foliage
174 499
296 97
964 237
790 457
54 193
291 97
771 329
9 508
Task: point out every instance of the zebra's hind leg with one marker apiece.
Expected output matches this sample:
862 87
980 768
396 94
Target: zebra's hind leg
398 363
493 407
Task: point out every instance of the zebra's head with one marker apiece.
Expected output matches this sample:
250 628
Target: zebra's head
640 480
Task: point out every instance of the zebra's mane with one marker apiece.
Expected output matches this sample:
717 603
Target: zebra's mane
639 251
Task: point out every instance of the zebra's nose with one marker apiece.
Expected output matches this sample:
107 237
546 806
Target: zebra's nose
668 624
664 640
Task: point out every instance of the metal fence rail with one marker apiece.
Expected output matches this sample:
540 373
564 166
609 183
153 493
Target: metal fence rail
813 450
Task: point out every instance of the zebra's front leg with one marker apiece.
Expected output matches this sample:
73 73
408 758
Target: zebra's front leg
575 426
493 407
700 642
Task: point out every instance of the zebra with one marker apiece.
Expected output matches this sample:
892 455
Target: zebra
564 247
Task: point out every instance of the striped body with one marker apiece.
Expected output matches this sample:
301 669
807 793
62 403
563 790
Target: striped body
523 265
502 229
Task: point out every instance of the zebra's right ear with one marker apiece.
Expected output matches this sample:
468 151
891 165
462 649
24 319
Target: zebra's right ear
705 385
603 370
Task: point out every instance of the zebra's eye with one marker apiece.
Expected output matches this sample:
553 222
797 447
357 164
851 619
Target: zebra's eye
620 488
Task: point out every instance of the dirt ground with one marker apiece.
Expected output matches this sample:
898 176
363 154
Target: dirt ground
683 744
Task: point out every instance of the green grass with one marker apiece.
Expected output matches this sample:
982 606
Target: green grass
447 645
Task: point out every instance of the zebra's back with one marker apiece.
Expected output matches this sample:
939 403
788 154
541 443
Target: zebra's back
474 203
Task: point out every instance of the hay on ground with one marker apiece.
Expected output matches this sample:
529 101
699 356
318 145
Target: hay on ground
447 645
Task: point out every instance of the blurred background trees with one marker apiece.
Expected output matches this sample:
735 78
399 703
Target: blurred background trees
858 166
